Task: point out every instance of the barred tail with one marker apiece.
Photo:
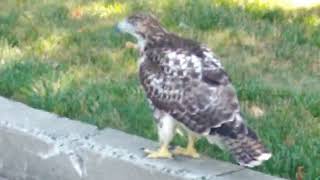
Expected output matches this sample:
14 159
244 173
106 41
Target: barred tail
247 151
241 141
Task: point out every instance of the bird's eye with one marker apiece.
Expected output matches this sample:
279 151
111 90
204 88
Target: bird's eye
132 21
136 19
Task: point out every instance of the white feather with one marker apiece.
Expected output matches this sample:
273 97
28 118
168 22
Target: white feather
124 26
264 156
166 129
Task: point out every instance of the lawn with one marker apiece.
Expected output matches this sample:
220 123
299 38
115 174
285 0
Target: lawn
66 57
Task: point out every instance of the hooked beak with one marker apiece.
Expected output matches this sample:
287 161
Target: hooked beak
120 27
125 27
117 28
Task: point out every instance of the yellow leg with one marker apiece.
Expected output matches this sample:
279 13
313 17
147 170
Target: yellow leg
162 152
190 150
166 130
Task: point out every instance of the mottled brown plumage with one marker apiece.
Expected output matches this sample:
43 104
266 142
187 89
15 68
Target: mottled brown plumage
187 86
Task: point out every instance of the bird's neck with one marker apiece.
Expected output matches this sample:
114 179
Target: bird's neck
151 39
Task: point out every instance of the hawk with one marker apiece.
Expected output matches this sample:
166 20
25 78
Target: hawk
188 88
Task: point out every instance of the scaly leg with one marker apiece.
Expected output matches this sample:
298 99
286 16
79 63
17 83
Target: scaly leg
162 152
190 150
166 131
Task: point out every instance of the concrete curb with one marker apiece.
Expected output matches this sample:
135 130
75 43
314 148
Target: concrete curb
38 145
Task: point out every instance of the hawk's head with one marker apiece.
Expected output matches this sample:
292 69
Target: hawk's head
144 27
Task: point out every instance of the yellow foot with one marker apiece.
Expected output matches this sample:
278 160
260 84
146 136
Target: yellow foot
190 152
131 45
161 153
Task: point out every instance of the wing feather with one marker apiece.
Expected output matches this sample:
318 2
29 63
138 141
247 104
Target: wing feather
194 90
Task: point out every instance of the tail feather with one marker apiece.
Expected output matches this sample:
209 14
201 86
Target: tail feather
241 141
248 151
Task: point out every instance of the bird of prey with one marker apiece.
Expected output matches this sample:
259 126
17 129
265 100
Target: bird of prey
188 88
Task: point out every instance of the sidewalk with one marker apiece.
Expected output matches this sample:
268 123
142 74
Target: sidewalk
39 145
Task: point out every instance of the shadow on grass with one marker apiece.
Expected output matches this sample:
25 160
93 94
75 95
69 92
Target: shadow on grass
27 79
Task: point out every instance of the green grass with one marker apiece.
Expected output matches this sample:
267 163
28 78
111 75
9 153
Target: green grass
65 57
